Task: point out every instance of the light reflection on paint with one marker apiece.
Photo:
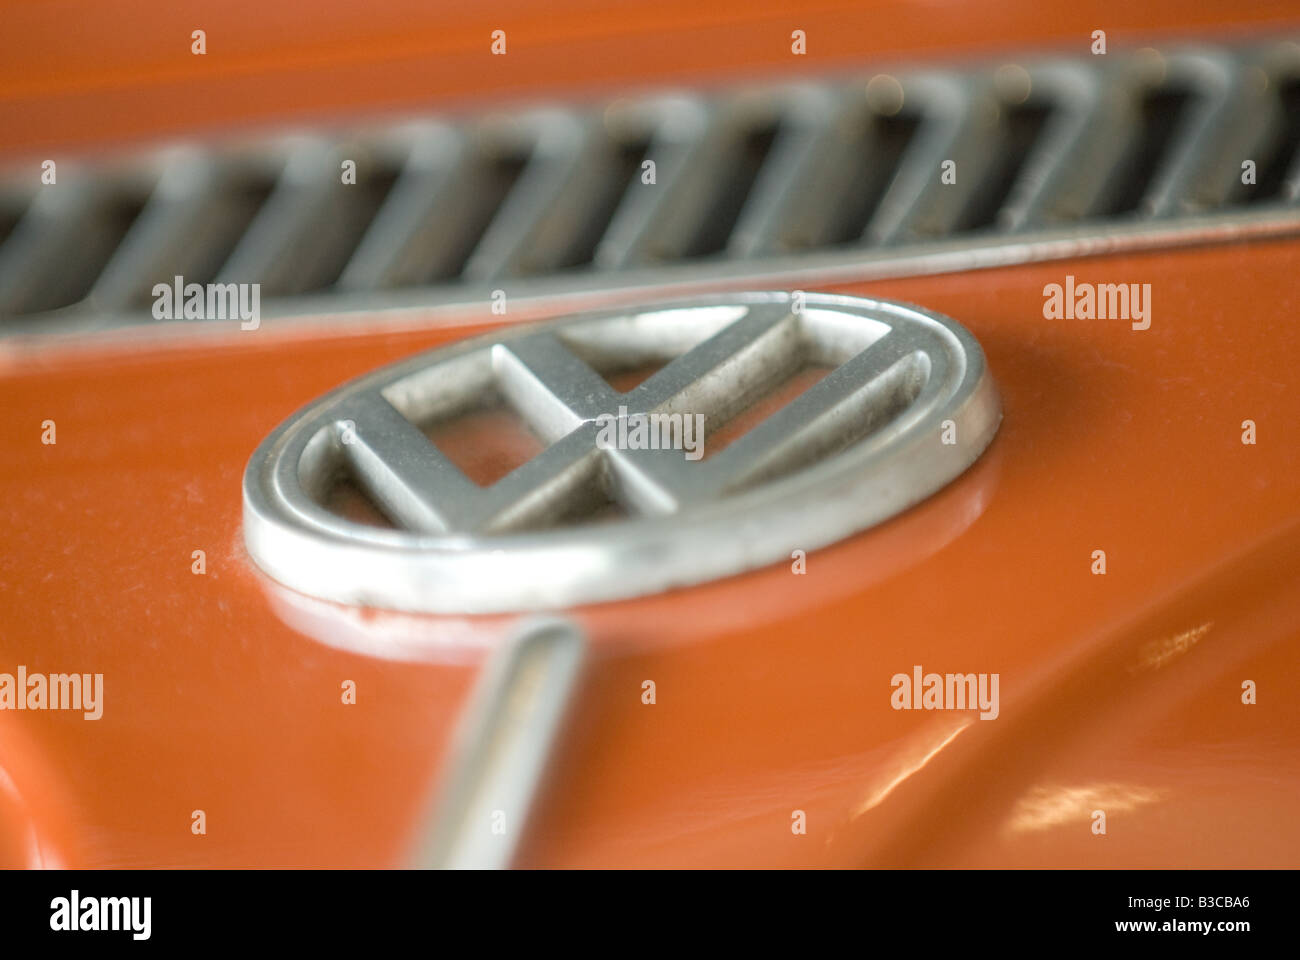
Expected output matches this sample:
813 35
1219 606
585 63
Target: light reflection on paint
1157 653
909 762
36 857
1049 806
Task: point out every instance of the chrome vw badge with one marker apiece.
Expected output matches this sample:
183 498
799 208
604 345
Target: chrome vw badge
697 472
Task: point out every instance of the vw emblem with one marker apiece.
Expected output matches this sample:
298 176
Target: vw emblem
904 406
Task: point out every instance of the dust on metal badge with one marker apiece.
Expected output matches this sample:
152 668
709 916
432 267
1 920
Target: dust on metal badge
905 405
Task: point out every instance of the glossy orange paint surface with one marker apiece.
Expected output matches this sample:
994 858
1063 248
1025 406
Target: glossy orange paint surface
1119 692
79 73
222 691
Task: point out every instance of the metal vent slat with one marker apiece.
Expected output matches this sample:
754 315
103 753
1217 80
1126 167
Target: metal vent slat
1049 180
747 181
1212 88
308 229
189 226
675 129
1278 73
917 201
450 208
703 203
54 254
806 115
557 140
396 248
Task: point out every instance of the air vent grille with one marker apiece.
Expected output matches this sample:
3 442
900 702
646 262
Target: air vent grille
668 189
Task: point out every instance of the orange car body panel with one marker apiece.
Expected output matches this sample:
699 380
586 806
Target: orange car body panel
73 72
1119 692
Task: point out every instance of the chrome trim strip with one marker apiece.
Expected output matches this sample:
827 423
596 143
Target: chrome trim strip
507 733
